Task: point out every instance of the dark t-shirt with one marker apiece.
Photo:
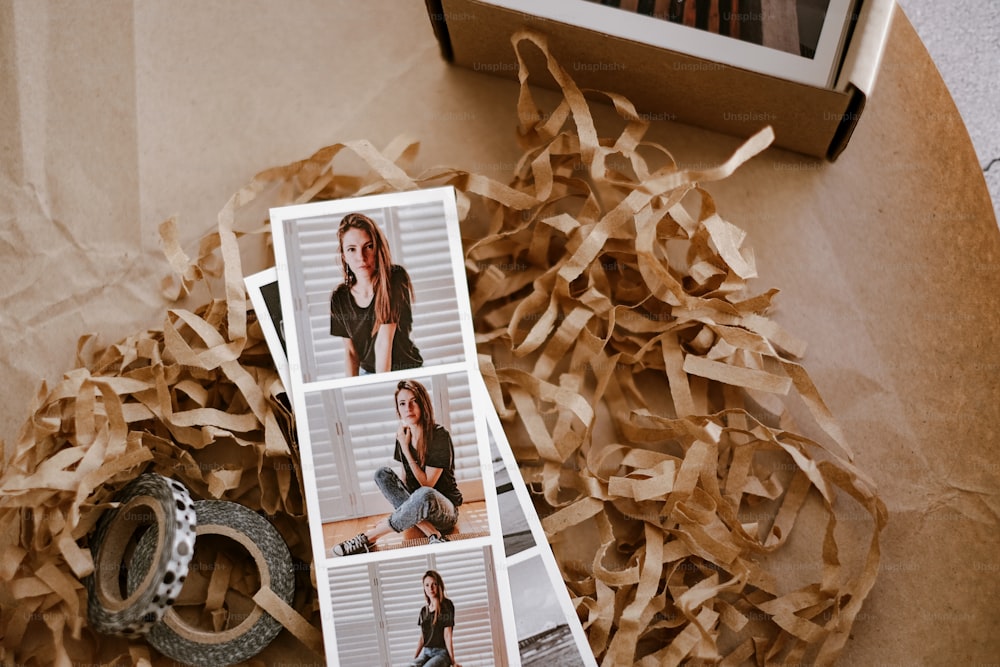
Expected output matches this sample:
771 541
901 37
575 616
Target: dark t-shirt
440 454
348 320
433 633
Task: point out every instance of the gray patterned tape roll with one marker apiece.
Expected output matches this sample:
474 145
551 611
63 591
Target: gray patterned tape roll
165 507
175 638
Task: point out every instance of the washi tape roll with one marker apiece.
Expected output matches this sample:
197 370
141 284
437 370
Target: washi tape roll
177 639
150 500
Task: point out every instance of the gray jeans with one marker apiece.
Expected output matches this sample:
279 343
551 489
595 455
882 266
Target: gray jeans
424 504
432 657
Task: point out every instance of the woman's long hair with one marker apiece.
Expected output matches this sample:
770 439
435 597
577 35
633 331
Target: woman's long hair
436 576
426 414
385 309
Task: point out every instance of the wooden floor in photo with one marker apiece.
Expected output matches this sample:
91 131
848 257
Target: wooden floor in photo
472 522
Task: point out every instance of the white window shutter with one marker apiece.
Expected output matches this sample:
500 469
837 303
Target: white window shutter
425 254
358 617
401 583
369 416
470 584
332 468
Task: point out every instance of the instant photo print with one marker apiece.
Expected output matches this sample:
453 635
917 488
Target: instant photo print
378 606
415 252
353 440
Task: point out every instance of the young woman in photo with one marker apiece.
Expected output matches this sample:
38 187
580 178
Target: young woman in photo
426 495
437 621
371 309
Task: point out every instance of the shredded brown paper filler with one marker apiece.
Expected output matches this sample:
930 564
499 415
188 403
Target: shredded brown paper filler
653 404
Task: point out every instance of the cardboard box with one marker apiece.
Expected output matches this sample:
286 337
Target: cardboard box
668 85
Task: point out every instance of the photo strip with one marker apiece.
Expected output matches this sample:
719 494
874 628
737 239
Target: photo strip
413 546
548 631
798 40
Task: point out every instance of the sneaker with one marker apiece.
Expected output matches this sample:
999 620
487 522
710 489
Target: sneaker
356 545
437 539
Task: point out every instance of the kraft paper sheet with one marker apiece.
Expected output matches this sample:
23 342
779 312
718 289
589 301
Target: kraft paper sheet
659 407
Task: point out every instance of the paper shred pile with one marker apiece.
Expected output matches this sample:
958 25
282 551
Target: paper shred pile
183 402
618 337
631 291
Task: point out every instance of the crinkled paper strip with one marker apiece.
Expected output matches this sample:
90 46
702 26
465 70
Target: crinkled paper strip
617 335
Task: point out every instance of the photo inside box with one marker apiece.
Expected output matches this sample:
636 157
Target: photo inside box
353 435
793 27
421 288
376 608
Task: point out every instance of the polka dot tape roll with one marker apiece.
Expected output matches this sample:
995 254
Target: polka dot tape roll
164 507
176 638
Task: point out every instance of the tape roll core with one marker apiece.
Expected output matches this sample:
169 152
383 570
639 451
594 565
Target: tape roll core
148 500
174 621
175 638
116 541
